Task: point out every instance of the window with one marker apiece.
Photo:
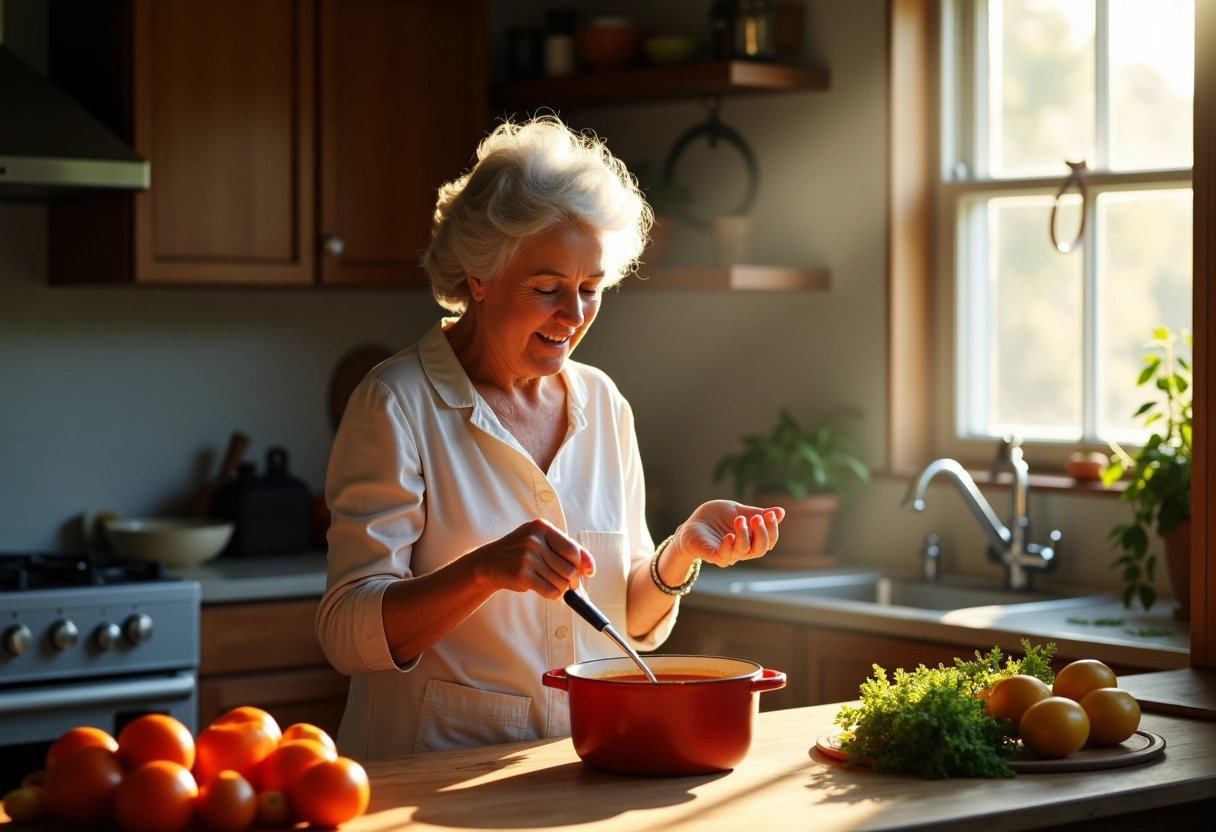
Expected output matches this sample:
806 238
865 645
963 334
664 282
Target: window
1047 337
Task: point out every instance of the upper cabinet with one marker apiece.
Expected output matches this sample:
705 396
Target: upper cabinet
292 142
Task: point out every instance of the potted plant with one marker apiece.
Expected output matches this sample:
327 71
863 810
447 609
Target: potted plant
805 470
1159 484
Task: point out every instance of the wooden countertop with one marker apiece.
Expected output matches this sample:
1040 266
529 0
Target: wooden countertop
782 784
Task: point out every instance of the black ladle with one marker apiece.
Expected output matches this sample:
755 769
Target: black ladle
599 621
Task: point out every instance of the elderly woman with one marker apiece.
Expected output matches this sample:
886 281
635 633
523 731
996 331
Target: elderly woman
480 473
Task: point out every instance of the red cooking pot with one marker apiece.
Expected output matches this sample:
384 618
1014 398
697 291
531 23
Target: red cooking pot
698 719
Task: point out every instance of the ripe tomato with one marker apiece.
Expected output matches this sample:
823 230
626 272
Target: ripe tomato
75 738
158 796
273 809
1011 696
1114 715
1080 677
228 803
248 713
26 804
155 737
284 765
331 792
1054 727
81 787
308 731
239 746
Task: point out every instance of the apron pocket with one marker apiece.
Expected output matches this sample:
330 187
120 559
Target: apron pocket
458 716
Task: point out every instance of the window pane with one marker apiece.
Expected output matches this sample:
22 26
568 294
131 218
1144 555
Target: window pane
1025 368
1144 258
1152 84
1042 89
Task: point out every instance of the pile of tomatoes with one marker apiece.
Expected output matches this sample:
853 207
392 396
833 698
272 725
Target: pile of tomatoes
1083 706
155 776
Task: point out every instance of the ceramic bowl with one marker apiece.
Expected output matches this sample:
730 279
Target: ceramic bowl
671 50
609 46
179 542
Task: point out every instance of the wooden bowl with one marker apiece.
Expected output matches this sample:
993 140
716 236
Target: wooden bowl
179 542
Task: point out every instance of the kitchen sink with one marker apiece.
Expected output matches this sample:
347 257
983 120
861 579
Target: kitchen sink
888 590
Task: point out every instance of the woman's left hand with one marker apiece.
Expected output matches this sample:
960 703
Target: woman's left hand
724 532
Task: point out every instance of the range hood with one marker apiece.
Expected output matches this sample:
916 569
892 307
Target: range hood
52 147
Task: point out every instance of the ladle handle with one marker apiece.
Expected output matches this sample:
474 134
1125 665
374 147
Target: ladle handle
586 610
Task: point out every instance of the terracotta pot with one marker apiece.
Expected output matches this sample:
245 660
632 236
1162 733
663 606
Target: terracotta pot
1178 557
803 536
697 720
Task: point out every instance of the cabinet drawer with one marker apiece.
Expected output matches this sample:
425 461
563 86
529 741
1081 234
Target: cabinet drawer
259 636
316 695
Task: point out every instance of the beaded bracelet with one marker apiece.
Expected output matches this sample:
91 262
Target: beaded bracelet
682 589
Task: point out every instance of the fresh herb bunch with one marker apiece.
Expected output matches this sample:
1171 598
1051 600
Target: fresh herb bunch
932 721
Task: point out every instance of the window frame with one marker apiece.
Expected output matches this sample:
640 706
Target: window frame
964 140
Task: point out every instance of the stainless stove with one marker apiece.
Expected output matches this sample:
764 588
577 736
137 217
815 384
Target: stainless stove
90 639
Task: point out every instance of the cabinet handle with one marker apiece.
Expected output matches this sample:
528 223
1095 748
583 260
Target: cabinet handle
334 244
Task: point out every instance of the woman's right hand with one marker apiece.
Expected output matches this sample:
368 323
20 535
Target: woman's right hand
536 557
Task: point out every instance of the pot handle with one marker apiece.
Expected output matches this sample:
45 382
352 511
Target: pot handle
767 680
558 679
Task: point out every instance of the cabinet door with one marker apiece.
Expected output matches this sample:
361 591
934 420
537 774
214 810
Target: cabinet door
773 644
224 112
266 654
838 662
402 107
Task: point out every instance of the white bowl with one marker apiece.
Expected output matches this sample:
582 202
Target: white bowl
175 541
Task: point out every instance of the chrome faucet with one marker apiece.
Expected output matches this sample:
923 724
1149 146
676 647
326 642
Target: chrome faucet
1006 544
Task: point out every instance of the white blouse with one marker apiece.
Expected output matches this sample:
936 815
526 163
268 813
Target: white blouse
422 472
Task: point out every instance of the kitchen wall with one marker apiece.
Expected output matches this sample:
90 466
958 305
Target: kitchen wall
122 398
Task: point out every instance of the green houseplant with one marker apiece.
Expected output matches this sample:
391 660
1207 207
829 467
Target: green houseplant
806 470
1159 477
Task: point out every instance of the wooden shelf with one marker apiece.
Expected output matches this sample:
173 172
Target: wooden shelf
737 278
662 84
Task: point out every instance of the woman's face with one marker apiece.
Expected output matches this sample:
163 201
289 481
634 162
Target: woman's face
538 310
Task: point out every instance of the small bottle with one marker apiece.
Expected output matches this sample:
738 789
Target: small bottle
559 43
722 30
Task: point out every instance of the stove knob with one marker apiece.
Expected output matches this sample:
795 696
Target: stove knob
106 635
64 635
17 639
138 628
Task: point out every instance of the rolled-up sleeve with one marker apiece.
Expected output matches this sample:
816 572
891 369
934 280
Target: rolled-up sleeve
375 493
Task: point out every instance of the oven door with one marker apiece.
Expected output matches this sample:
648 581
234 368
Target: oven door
32 717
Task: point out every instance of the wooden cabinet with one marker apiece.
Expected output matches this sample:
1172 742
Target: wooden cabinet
266 654
774 644
821 664
291 141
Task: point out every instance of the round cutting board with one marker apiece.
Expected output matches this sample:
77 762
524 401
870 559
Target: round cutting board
1141 747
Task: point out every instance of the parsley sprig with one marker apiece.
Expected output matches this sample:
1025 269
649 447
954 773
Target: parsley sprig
931 720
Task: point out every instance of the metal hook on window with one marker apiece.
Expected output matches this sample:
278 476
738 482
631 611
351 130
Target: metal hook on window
1076 175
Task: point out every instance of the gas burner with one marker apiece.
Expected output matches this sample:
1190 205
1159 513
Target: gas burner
55 570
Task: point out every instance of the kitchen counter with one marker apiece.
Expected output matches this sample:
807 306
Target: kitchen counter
1153 641
267 578
782 784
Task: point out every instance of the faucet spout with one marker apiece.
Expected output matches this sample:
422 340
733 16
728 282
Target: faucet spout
998 534
1008 545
